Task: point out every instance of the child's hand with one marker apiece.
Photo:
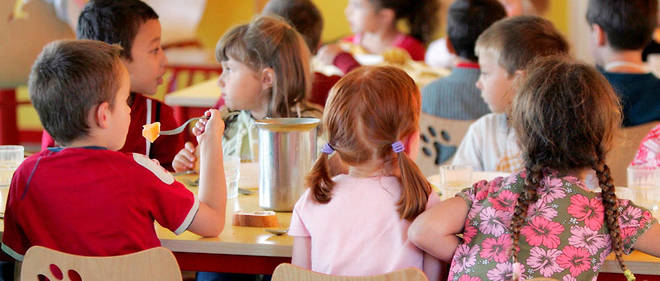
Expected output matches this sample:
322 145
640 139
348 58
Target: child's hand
185 159
210 129
328 53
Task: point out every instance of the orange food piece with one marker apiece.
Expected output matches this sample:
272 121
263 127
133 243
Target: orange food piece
151 131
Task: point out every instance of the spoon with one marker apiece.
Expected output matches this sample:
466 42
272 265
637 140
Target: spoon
277 232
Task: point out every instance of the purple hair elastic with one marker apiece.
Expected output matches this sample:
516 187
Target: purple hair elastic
398 147
327 149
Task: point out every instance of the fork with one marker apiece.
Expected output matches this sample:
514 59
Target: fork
180 129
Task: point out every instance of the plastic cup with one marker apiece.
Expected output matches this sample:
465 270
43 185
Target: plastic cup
453 179
11 157
645 185
232 165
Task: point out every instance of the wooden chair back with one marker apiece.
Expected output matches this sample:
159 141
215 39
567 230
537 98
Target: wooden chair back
440 139
152 264
624 149
286 272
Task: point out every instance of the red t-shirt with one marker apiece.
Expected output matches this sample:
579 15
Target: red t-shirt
145 111
413 46
92 201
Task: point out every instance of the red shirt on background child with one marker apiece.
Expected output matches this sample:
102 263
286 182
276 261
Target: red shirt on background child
145 110
413 46
94 202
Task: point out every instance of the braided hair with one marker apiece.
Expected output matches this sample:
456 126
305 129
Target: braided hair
565 115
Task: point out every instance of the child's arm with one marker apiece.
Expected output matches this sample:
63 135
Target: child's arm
210 218
185 159
434 231
648 242
302 252
432 267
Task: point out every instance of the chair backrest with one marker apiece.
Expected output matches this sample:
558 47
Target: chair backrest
286 272
152 264
624 149
440 139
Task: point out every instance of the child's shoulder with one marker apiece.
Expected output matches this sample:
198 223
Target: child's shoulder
490 122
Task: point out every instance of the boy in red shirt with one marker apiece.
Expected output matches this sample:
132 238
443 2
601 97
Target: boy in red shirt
86 198
135 26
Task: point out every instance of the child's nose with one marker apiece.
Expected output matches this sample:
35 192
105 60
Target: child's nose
221 83
478 84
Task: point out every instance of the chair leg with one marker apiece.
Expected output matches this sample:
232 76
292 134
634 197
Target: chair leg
8 124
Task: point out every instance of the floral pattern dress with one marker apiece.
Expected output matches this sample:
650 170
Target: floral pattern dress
564 236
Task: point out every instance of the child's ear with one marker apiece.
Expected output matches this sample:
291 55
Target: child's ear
598 35
411 142
267 78
102 115
450 46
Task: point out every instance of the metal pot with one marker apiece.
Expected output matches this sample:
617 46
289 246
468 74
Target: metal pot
287 151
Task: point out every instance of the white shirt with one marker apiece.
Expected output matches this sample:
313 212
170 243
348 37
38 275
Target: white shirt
490 144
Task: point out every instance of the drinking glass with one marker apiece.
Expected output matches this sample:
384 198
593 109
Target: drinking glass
232 166
11 157
645 185
453 179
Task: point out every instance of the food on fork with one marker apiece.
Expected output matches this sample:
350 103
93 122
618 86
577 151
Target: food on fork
151 131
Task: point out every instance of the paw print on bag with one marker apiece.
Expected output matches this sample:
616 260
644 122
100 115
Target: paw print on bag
440 139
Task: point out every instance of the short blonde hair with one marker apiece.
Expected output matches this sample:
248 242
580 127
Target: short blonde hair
515 42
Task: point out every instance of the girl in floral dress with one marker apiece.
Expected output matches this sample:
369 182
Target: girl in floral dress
543 221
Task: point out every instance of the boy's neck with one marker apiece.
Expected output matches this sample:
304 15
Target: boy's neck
625 61
89 140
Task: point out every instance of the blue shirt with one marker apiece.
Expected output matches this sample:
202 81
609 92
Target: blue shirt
639 94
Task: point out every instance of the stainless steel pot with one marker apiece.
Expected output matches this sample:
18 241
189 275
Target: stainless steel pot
287 151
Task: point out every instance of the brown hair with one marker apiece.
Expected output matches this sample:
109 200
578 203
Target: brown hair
70 78
516 41
303 15
268 41
565 116
629 24
421 16
114 22
367 111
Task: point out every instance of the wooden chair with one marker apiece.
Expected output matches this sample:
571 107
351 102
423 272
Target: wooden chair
440 139
624 150
286 272
152 264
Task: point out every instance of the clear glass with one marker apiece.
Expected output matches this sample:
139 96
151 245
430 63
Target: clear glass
645 185
453 179
232 166
11 157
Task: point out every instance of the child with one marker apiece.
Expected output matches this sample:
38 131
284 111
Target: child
135 26
504 49
86 198
374 24
265 74
306 19
456 96
648 154
620 29
543 221
355 224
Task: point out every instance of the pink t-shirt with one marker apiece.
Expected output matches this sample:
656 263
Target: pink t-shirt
649 150
359 232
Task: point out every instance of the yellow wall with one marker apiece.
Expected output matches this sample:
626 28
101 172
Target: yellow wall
221 15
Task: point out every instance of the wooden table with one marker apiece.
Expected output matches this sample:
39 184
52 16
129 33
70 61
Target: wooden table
237 249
